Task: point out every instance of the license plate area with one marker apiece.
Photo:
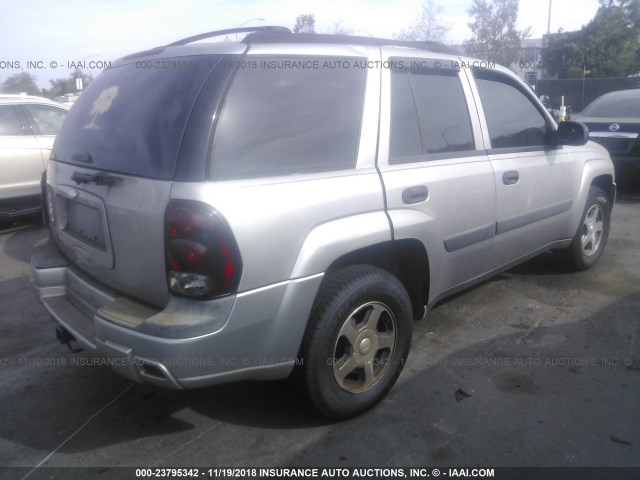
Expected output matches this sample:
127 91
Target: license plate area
85 223
82 226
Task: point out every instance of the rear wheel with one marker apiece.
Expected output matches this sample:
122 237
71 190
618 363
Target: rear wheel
590 239
357 341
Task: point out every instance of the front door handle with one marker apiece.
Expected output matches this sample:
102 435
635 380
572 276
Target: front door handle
416 194
510 178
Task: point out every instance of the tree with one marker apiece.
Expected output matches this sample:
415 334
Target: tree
19 83
339 28
608 46
305 24
62 86
495 36
428 27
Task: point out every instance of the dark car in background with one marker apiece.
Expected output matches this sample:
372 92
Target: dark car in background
614 122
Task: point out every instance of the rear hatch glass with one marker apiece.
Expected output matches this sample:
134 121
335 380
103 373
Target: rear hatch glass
131 119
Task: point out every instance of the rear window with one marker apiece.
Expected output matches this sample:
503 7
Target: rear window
132 117
617 107
47 119
290 115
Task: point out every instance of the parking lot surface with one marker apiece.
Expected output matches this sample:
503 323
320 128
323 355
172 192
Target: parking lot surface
536 367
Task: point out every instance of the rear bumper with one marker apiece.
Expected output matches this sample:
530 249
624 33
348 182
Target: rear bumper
253 335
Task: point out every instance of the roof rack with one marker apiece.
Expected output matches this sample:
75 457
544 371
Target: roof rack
229 31
282 37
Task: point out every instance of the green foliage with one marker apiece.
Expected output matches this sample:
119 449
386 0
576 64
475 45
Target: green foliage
608 46
495 36
62 86
20 82
428 27
305 24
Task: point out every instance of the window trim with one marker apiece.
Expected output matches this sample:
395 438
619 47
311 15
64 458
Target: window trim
532 148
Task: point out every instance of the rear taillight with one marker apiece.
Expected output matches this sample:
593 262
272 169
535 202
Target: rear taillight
202 257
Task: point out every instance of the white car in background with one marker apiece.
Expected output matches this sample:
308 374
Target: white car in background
28 127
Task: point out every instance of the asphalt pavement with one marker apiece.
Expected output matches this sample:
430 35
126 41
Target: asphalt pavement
536 367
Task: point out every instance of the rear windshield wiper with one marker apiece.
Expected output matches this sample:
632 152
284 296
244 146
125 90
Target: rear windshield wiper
99 178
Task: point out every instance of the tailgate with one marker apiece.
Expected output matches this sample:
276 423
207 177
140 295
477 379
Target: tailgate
113 232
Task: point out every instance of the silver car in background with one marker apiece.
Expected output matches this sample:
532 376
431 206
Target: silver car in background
28 127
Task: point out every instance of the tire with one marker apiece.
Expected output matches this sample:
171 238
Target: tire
357 340
593 231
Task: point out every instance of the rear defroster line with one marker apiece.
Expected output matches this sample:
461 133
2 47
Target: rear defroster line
78 430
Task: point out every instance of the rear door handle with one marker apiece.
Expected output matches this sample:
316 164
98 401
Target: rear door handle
416 194
510 177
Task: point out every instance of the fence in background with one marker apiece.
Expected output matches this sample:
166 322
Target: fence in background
579 94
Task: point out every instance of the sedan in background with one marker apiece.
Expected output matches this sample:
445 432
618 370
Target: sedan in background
614 122
28 127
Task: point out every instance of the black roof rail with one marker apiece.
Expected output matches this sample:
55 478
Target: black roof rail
279 37
229 31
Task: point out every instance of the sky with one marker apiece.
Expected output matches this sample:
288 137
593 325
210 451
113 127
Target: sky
50 34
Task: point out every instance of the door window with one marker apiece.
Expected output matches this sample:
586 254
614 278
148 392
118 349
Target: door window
9 121
47 119
429 115
513 120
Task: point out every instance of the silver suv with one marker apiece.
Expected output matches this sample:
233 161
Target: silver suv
291 203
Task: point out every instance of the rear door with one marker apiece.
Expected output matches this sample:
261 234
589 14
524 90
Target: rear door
535 180
438 179
115 160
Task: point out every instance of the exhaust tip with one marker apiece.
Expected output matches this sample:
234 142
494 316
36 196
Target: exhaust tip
65 337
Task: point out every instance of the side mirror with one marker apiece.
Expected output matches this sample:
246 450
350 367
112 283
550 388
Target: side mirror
572 133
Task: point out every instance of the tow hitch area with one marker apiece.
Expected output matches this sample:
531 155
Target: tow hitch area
64 336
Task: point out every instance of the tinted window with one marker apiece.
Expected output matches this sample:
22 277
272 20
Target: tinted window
405 139
132 117
283 118
47 119
9 122
512 118
627 106
429 114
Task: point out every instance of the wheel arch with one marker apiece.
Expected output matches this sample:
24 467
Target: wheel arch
596 172
606 183
405 259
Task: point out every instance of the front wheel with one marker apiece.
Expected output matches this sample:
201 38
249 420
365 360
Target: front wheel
590 239
357 341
